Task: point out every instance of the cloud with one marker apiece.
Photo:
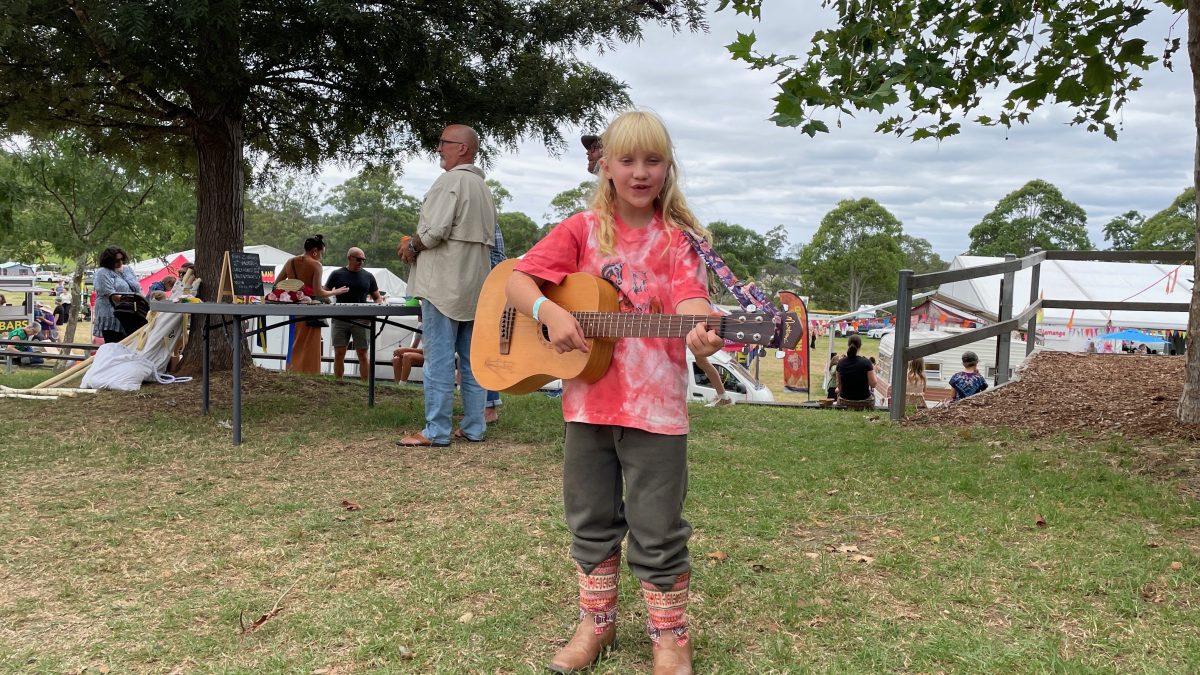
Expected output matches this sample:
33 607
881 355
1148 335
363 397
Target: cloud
739 167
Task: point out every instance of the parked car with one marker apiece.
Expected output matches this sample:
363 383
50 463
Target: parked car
878 333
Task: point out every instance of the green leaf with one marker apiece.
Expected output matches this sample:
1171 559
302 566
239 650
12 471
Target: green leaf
1131 49
1070 91
948 131
1097 76
815 126
1032 92
742 46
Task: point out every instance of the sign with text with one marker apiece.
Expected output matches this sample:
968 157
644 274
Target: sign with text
247 273
240 275
7 325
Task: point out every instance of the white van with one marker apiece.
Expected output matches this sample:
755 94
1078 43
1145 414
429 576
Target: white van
739 383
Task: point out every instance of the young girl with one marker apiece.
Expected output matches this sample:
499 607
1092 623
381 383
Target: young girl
916 383
830 382
630 426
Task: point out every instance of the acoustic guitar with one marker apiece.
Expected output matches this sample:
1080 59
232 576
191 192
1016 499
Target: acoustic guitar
511 352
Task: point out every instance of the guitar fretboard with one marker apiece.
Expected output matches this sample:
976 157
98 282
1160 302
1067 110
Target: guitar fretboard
628 324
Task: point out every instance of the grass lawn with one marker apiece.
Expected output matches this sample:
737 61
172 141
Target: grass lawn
135 538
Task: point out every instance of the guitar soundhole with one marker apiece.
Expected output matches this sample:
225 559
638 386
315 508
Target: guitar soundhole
544 332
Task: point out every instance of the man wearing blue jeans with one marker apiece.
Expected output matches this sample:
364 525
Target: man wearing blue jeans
449 258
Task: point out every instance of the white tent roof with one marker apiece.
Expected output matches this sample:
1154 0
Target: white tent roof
268 256
1083 280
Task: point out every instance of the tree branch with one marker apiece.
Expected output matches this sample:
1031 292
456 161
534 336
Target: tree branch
147 94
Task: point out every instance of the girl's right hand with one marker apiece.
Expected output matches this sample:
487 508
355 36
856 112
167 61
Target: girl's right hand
565 332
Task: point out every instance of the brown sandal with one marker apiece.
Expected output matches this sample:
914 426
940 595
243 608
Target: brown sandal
458 433
418 440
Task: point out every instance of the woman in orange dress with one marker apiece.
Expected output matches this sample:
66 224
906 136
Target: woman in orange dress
306 348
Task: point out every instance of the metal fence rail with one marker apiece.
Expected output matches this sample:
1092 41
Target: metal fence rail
1003 328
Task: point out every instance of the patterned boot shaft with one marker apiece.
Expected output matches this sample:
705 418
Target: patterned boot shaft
598 593
667 610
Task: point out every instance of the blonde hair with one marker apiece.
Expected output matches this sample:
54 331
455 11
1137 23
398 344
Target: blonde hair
916 370
639 130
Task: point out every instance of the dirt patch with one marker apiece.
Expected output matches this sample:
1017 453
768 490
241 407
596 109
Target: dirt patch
1079 394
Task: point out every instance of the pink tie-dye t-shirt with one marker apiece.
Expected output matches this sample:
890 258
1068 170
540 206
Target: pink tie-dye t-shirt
654 269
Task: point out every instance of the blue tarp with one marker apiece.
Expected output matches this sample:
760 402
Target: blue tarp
1132 336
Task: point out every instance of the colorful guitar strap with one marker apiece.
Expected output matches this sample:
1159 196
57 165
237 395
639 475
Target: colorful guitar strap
746 293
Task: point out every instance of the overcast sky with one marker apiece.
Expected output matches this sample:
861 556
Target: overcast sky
741 168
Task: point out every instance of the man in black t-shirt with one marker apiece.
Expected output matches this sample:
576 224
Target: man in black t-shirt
362 285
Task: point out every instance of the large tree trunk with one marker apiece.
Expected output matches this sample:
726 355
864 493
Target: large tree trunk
1189 404
218 136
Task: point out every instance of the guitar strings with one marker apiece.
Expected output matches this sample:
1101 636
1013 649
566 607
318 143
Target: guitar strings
627 324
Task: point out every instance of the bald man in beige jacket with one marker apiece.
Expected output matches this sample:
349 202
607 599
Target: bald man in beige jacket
450 258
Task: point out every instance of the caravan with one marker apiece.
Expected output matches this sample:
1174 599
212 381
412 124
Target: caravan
941 366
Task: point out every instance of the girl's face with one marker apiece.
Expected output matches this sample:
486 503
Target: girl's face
638 179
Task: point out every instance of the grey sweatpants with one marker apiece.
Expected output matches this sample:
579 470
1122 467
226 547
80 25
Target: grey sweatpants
652 468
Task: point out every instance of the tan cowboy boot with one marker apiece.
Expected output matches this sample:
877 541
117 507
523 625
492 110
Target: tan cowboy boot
668 628
585 648
597 629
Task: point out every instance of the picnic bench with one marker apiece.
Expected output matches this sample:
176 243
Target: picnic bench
10 354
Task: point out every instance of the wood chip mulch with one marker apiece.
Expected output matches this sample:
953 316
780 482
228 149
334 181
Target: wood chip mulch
1079 394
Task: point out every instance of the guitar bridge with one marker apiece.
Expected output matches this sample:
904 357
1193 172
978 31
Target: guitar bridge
507 318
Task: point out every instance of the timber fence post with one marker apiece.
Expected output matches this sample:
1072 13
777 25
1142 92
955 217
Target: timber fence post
1004 340
900 344
1035 282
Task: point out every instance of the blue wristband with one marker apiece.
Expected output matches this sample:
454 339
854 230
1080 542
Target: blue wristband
536 304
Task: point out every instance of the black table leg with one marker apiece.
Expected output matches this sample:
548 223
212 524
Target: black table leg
237 380
371 365
204 368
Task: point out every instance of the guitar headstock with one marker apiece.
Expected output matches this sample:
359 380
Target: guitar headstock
758 328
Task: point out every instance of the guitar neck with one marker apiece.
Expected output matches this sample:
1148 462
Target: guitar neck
628 324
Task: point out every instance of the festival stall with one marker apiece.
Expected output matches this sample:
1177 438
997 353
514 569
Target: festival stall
933 315
390 337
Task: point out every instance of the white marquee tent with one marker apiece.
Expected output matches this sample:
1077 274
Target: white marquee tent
268 256
1082 280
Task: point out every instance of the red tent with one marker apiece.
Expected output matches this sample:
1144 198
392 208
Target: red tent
171 270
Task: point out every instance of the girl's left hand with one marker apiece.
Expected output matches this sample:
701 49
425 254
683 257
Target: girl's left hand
704 342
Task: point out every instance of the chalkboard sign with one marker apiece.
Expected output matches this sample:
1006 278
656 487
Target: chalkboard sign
247 275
